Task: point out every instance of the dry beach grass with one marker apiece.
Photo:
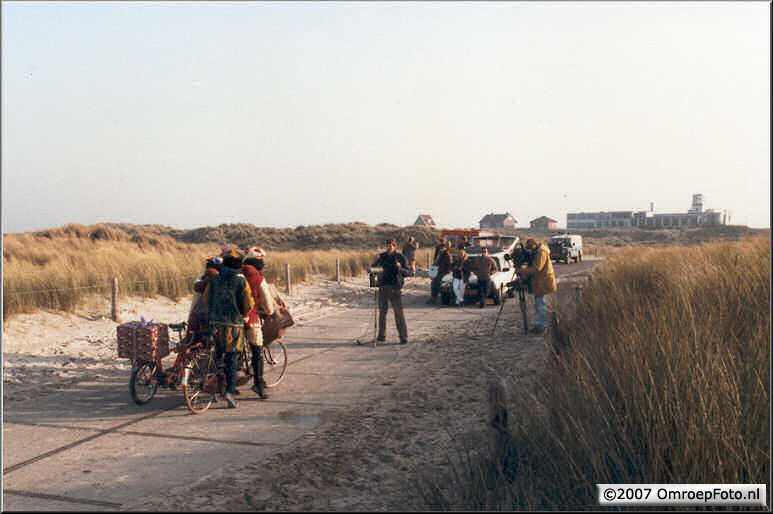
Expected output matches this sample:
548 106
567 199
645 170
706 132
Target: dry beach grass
661 375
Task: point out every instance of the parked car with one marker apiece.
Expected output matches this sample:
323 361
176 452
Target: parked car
564 247
498 246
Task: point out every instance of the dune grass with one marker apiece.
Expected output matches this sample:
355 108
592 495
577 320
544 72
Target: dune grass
58 268
661 375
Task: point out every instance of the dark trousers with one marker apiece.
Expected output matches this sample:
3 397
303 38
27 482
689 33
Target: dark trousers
391 294
483 288
434 287
229 368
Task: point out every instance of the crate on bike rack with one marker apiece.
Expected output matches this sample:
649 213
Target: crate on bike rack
143 341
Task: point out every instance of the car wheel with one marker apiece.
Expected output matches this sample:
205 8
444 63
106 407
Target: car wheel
579 256
498 295
445 298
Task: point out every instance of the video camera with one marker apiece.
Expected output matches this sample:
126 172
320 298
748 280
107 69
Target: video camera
520 256
375 275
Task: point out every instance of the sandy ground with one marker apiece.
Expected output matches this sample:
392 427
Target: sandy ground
419 413
46 350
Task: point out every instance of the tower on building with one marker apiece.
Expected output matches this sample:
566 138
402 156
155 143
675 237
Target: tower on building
697 203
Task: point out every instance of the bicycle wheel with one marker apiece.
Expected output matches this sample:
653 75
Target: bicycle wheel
198 379
275 357
244 364
142 387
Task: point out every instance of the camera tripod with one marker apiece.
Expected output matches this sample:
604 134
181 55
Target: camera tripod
375 320
522 286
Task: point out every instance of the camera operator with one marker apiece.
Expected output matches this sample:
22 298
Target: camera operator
543 280
389 290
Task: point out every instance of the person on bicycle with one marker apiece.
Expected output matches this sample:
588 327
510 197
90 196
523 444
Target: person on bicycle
228 299
197 315
264 304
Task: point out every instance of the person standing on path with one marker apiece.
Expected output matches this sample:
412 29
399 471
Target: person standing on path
409 251
197 315
543 280
441 245
443 262
461 271
389 290
484 267
229 300
264 304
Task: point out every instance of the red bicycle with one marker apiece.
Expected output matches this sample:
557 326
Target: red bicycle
147 376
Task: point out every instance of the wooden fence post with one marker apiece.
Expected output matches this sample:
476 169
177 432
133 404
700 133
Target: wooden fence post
427 261
287 278
578 292
497 421
338 271
113 298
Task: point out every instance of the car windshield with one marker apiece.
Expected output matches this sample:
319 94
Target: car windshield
493 243
560 241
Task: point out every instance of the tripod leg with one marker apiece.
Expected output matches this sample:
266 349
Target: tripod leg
375 317
522 300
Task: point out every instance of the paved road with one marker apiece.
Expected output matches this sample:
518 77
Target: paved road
90 448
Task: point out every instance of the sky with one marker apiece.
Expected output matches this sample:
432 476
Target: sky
285 114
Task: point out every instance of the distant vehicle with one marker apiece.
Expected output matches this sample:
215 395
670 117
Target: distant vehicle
498 246
564 247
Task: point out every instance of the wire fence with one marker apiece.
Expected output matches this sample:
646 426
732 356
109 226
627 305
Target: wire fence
107 286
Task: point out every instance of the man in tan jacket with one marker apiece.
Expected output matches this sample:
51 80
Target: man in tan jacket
485 266
543 280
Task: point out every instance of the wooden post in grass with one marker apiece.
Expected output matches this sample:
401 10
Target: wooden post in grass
338 271
287 278
113 298
578 292
497 421
427 261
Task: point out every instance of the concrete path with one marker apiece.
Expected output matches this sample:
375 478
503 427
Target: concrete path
91 448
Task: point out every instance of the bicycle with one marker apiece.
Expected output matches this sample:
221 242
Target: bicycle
204 377
275 359
146 376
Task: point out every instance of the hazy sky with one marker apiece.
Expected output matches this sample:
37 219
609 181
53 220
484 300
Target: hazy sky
285 114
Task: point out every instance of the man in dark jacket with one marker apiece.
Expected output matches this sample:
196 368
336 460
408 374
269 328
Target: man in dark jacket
441 245
443 262
389 290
